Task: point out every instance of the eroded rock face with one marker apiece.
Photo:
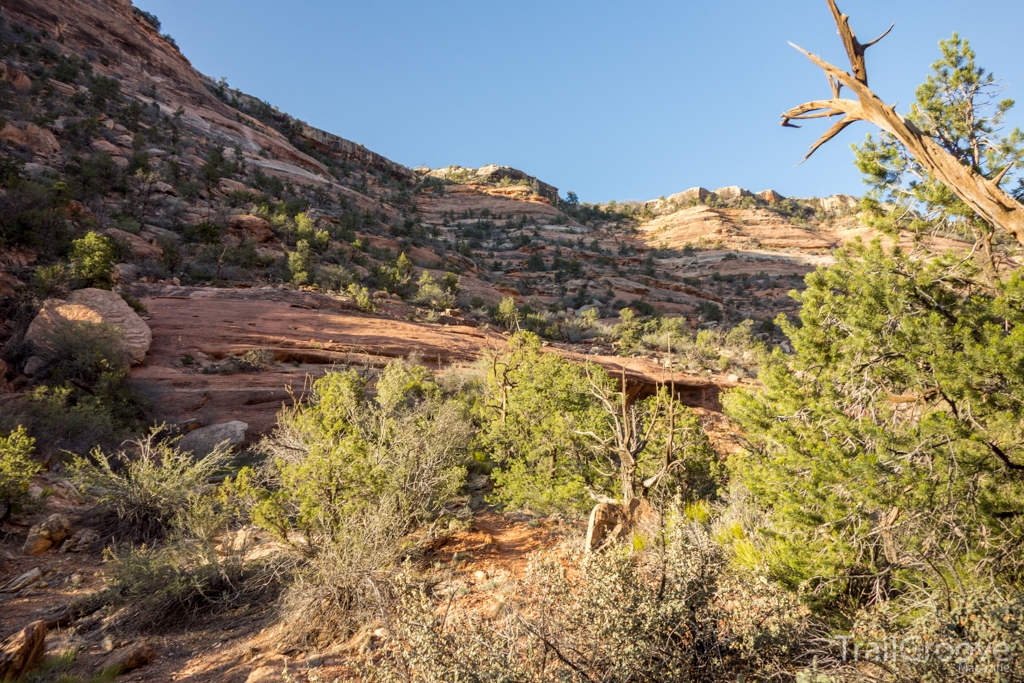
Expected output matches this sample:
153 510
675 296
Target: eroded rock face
23 651
205 440
47 534
94 306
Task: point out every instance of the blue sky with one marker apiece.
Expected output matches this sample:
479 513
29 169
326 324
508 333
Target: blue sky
614 100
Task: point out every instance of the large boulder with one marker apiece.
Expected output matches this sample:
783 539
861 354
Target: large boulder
47 534
205 440
251 227
94 306
23 651
140 248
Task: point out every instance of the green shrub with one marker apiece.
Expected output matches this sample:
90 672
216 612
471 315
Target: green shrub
16 471
92 258
353 475
301 263
437 295
364 302
144 489
710 311
396 277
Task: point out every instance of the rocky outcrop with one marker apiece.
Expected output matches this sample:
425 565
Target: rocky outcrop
347 150
252 227
837 204
140 248
92 306
492 174
733 193
39 140
770 196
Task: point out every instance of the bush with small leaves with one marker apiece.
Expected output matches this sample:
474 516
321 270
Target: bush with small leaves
16 471
142 490
92 258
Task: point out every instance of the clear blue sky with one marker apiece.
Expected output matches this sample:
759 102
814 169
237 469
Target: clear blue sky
615 100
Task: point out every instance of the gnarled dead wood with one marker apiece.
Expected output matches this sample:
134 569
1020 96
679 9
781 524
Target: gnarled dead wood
982 194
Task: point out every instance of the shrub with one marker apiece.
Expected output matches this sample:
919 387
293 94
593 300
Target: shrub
86 398
352 475
364 302
16 471
300 264
396 277
437 295
710 311
671 612
92 258
143 491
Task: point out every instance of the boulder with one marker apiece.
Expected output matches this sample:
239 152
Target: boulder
105 147
125 272
141 249
610 522
203 441
34 365
39 140
30 577
227 186
133 656
18 79
95 306
46 534
80 541
23 651
153 233
255 228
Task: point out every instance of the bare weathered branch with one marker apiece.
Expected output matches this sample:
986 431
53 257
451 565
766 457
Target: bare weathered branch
829 134
983 195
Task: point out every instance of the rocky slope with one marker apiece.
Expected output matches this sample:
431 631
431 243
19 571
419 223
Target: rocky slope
240 228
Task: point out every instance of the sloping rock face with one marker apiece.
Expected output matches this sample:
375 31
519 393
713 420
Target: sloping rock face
492 174
94 306
308 335
734 227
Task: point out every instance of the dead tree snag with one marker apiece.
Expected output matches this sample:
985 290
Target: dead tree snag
982 194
